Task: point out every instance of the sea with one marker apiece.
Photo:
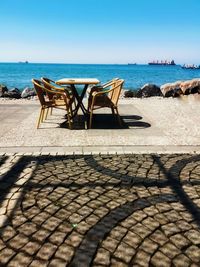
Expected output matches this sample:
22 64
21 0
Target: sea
19 75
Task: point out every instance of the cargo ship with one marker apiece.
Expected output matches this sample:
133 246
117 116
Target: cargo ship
163 63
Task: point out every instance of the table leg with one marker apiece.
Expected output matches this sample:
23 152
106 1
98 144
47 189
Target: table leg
79 99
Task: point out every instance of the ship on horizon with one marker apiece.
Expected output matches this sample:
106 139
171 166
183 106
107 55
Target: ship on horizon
23 62
163 63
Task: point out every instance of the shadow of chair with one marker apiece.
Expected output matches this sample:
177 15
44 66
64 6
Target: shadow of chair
56 99
106 98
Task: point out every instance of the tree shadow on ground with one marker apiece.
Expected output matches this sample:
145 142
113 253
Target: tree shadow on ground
97 232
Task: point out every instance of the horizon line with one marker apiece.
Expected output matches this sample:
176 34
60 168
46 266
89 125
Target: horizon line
70 63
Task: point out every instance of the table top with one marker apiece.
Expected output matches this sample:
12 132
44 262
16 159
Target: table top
78 81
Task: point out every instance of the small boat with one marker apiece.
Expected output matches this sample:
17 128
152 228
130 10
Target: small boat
190 67
132 63
23 62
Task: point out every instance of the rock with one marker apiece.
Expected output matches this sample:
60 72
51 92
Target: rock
130 93
28 92
149 90
171 89
13 93
190 86
3 89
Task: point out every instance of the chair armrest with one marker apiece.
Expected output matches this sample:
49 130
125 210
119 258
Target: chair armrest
56 92
102 92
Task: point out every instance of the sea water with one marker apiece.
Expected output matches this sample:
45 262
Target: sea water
19 75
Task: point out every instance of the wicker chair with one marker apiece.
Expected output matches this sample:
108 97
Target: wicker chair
56 99
54 87
100 87
106 98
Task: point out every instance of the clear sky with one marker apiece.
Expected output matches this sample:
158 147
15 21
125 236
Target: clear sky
100 31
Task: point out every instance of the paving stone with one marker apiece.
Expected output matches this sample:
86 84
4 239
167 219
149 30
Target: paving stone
57 262
51 223
124 252
65 252
179 241
180 259
151 211
170 229
129 222
159 237
102 257
75 218
139 215
7 233
186 216
162 207
31 247
142 258
141 230
132 239
151 223
57 238
172 215
118 263
92 219
41 235
39 263
183 225
193 252
149 246
65 227
21 259
5 255
110 244
170 250
46 251
41 218
101 212
118 232
74 239
161 218
28 228
160 260
193 236
85 211
18 241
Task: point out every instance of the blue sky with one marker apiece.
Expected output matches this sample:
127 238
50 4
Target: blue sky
100 31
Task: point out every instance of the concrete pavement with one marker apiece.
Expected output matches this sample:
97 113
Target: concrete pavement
150 125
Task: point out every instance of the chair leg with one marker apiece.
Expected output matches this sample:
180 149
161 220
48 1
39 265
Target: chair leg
51 110
43 113
46 113
90 122
39 119
69 119
71 111
113 111
118 117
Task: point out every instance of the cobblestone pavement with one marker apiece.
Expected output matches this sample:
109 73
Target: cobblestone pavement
112 210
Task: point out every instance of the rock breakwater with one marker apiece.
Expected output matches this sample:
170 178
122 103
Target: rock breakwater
174 89
15 93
